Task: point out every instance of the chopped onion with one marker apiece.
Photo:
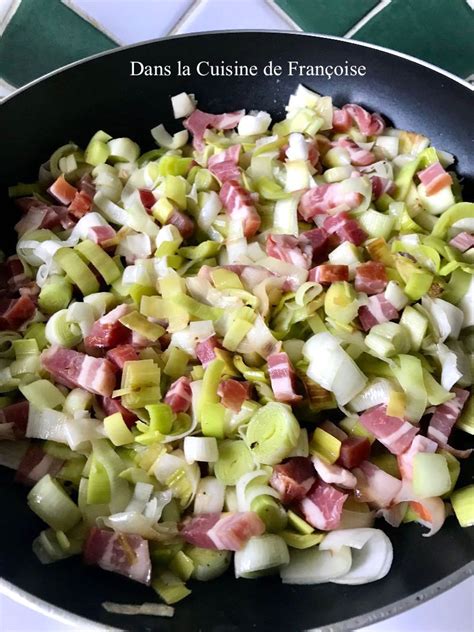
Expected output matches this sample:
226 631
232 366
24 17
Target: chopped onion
261 553
252 124
164 139
316 566
376 392
183 104
210 496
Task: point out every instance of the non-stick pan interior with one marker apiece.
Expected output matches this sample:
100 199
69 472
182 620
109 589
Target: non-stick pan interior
101 94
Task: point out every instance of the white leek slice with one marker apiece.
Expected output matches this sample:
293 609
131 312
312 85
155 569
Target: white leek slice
183 104
210 496
316 566
252 124
164 138
261 553
447 317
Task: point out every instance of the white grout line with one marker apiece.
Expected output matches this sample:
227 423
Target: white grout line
379 7
284 15
8 16
85 16
190 11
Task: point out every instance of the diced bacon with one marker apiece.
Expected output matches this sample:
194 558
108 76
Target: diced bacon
225 164
359 156
396 434
234 393
35 218
288 248
405 460
146 198
199 121
35 464
313 153
183 223
205 350
463 241
87 186
13 420
108 331
378 310
224 532
334 474
375 486
322 507
62 190
368 124
328 273
317 238
326 197
120 553
15 275
112 406
121 354
445 416
345 228
434 178
293 479
14 312
341 120
239 205
282 377
354 450
73 368
371 277
80 205
101 234
179 395
380 186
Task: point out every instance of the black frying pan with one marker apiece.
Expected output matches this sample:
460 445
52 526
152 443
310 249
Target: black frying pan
99 93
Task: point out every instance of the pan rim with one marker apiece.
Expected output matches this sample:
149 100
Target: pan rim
355 42
57 613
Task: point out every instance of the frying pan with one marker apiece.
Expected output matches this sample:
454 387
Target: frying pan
73 103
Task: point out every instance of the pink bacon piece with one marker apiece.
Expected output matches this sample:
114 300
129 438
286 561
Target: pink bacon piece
326 197
463 241
205 350
394 433
120 553
380 186
378 310
290 249
376 486
354 450
368 124
346 228
359 156
282 377
62 190
72 368
434 178
108 331
146 198
334 474
183 223
35 464
322 506
101 234
224 532
234 393
121 354
199 121
13 421
225 165
179 395
293 479
443 420
371 277
405 460
328 273
239 205
112 406
80 205
14 312
317 239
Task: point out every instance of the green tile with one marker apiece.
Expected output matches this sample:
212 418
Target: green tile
438 31
44 35
332 17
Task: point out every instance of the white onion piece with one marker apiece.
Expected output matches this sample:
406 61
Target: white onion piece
372 554
251 485
47 424
141 495
302 446
83 315
261 553
183 104
210 496
447 317
148 609
164 139
316 566
110 210
376 392
450 373
132 247
395 295
203 449
259 339
79 432
252 124
466 304
210 210
298 147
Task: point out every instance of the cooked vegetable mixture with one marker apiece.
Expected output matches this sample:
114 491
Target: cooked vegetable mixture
243 350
